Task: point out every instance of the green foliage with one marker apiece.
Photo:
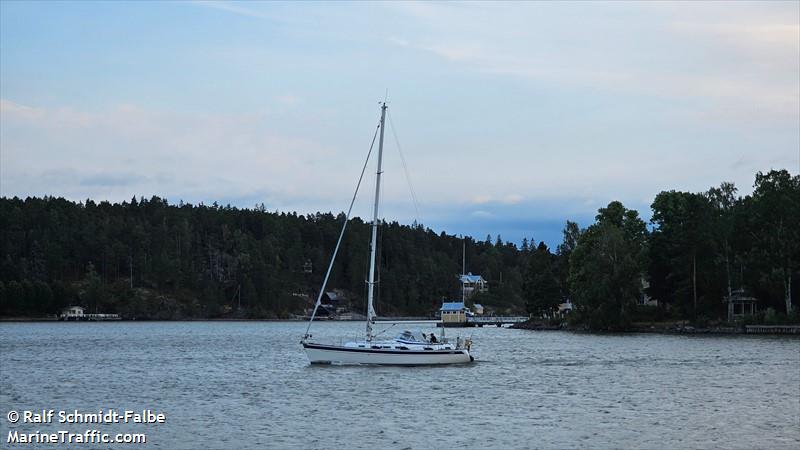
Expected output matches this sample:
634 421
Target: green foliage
647 314
772 317
541 288
706 244
773 221
606 268
147 259
681 248
572 234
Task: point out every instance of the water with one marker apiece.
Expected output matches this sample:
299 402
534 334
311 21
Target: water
249 385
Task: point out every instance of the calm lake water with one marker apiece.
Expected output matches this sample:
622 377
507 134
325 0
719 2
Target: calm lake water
249 385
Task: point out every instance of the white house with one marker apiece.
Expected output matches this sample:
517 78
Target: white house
72 313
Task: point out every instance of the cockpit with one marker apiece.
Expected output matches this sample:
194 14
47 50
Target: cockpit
412 337
409 337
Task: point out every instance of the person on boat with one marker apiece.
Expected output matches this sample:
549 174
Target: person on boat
433 338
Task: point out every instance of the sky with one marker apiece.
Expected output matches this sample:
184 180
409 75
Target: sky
511 117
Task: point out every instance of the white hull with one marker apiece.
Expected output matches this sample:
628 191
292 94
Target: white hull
334 354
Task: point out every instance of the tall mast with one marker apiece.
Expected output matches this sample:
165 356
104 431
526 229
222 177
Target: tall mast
371 281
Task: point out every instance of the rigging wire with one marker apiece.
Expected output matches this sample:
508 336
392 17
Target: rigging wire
405 170
378 250
341 234
385 330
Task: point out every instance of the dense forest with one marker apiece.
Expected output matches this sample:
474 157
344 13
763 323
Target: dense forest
148 259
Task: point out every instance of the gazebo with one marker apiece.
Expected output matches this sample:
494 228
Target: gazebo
740 305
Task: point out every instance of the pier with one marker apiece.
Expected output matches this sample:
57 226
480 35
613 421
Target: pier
77 313
480 321
772 329
92 317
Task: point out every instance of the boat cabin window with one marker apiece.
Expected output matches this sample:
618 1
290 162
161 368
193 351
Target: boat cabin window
407 336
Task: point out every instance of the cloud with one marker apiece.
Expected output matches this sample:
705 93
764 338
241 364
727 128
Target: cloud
129 150
532 110
399 41
732 59
485 199
232 7
104 179
462 52
482 214
481 199
289 100
9 108
782 36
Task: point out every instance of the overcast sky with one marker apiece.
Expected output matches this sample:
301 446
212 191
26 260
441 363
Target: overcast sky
512 117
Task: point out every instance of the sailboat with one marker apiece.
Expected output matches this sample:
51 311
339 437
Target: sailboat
407 348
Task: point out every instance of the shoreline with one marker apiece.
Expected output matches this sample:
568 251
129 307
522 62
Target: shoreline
52 319
672 329
782 330
215 319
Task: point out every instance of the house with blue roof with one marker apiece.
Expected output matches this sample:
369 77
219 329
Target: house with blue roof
454 312
473 284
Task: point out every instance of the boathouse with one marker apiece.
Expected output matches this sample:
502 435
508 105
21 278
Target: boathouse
72 313
79 313
454 312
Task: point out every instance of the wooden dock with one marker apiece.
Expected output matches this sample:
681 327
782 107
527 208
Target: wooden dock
487 321
91 317
772 329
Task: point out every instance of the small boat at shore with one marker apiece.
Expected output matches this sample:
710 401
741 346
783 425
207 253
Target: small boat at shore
407 348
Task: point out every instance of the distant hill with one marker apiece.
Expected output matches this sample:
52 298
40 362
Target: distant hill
190 261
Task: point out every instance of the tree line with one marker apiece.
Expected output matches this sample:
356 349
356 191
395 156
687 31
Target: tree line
149 259
697 250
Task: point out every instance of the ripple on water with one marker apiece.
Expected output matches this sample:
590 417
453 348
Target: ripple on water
218 381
